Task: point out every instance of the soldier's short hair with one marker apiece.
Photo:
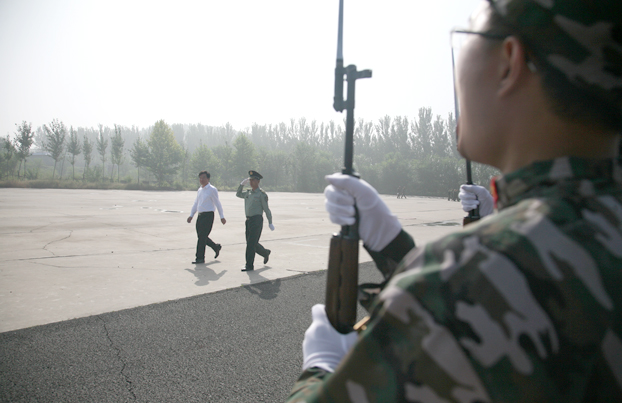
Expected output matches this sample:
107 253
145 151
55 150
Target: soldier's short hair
204 173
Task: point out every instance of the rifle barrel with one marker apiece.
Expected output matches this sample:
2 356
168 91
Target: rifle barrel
339 70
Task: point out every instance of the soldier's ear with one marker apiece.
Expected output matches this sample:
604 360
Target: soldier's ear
513 65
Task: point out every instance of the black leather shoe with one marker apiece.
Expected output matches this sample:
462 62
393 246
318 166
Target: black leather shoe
246 268
198 261
265 258
217 250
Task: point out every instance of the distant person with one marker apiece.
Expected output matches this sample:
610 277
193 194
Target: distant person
401 192
255 203
205 202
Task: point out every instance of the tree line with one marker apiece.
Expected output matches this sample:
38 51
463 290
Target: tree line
416 153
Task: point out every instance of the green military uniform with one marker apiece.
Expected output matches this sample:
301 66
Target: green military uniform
539 273
255 204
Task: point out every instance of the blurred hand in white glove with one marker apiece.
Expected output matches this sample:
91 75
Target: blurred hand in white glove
245 182
377 225
271 227
323 346
472 196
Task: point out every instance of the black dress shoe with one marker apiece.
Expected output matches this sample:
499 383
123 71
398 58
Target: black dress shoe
217 250
246 268
265 258
198 261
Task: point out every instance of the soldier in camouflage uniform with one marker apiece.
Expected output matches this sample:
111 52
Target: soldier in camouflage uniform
524 305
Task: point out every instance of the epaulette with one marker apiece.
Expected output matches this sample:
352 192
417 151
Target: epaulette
264 192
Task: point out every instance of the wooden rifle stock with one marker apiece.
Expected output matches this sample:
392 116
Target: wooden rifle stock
342 282
470 218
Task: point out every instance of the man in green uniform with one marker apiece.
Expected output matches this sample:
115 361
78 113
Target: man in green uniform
526 304
255 203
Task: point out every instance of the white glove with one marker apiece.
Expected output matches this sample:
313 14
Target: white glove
377 225
245 182
271 227
323 346
472 196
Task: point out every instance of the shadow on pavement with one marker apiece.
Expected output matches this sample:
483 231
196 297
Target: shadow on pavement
204 274
261 286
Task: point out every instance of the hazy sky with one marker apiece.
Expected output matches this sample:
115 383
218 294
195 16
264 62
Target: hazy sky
133 62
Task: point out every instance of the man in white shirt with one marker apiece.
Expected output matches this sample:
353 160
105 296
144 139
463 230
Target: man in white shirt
207 199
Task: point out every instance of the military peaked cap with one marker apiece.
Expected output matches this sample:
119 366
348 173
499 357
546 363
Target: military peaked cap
254 175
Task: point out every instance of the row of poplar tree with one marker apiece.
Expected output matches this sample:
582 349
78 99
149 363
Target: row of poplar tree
418 154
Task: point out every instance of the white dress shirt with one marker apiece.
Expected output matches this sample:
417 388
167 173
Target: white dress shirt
207 198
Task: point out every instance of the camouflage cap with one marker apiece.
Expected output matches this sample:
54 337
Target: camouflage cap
582 39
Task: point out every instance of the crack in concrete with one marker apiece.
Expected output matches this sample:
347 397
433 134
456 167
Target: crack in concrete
58 240
129 252
130 387
78 218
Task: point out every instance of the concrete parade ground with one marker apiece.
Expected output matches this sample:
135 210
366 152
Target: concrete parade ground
70 259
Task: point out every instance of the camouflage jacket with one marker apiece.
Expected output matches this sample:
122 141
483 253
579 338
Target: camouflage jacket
523 306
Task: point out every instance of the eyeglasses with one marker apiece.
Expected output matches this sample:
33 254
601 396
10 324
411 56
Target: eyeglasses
457 42
489 35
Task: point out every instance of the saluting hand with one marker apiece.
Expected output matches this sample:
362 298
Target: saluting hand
245 182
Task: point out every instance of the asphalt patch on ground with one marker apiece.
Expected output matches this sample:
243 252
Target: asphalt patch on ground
238 345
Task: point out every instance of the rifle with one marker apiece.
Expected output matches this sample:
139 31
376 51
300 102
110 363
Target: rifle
473 214
342 274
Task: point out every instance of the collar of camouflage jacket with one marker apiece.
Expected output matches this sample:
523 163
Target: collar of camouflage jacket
558 178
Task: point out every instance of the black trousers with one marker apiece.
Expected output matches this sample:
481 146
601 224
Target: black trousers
205 221
254 225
